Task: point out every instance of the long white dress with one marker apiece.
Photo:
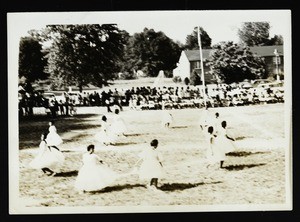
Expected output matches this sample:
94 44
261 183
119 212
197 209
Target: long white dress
53 139
150 166
94 175
223 142
47 157
166 118
106 136
118 126
214 153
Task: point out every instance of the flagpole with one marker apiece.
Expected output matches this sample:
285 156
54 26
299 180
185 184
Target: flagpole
202 70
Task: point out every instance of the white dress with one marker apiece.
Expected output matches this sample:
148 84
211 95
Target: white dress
204 119
150 166
166 118
47 157
94 175
105 135
118 126
53 139
223 142
214 152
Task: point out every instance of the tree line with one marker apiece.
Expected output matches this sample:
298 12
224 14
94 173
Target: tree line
94 54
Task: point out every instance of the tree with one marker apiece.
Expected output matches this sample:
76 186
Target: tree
191 42
234 63
276 40
195 78
254 33
151 52
84 54
32 62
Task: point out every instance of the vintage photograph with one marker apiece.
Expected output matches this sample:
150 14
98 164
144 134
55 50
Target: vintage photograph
149 111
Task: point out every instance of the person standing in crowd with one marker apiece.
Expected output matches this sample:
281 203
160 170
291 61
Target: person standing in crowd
151 167
93 175
48 158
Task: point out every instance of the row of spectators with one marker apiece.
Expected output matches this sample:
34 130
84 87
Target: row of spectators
141 98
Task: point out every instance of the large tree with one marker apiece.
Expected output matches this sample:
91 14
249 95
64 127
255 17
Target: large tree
151 52
191 41
84 54
254 33
31 60
234 63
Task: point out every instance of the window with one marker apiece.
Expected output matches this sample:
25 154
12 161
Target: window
278 60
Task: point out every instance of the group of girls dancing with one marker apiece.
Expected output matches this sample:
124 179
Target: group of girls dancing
94 174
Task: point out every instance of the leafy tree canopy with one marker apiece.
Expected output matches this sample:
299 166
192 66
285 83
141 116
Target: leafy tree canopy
151 52
192 40
257 34
234 63
84 54
31 60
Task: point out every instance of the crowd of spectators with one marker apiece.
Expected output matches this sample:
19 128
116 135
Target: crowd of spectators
146 97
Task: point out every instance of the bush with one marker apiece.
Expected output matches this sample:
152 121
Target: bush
127 75
177 79
186 81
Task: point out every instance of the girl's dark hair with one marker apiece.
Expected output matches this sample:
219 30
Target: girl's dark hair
154 142
52 122
210 129
92 146
223 124
104 118
44 134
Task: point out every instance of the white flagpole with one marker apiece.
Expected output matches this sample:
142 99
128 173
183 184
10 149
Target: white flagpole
202 70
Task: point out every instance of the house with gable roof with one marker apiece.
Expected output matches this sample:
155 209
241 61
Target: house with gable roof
189 62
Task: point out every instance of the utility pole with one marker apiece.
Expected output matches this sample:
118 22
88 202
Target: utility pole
202 69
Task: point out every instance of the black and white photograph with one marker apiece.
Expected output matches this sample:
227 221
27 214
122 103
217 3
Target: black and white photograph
149 111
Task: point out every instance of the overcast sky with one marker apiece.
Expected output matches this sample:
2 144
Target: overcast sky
220 25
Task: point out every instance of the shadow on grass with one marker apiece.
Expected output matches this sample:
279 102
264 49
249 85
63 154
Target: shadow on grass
244 153
242 166
183 186
117 188
136 134
67 174
124 144
178 127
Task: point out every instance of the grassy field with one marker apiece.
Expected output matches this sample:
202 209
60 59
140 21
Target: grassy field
254 175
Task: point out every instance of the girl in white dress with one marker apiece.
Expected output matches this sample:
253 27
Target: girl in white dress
215 152
53 139
223 140
151 167
167 119
105 135
204 119
118 126
47 157
93 175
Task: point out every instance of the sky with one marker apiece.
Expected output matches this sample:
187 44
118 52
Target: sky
221 25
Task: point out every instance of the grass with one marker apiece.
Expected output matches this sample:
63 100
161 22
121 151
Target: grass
253 174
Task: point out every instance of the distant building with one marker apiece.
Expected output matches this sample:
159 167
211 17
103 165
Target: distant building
189 62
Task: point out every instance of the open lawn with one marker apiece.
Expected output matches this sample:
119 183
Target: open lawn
254 176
